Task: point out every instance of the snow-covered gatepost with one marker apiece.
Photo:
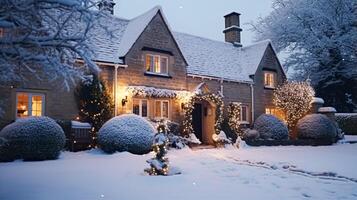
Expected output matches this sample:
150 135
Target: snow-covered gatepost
159 165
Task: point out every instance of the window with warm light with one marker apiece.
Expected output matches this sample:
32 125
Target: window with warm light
276 112
2 32
140 107
269 79
162 109
29 104
156 64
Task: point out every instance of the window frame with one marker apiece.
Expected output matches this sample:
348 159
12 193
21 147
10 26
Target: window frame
241 114
30 95
159 63
273 80
162 109
141 107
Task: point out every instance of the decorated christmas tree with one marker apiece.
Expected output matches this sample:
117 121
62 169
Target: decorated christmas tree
159 165
94 103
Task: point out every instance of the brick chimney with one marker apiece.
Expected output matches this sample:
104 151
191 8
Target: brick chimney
232 31
107 6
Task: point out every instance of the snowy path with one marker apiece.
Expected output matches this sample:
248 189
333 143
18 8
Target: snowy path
253 173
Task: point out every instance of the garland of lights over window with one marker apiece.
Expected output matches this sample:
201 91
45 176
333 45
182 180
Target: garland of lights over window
233 111
189 107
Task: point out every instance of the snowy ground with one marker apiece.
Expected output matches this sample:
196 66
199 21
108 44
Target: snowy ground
249 173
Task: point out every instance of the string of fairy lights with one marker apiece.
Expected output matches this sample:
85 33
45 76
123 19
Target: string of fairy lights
233 111
294 99
189 107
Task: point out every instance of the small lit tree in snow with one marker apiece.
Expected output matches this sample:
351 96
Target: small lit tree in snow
294 99
159 165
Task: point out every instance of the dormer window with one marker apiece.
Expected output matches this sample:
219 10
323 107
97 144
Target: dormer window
269 80
157 64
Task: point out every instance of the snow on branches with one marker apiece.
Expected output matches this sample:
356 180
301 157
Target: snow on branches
294 99
46 36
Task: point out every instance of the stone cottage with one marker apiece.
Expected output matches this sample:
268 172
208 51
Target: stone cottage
152 70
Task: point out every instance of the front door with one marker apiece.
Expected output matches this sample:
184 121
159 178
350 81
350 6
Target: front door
197 120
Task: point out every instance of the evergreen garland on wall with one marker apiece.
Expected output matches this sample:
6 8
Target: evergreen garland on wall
189 107
233 111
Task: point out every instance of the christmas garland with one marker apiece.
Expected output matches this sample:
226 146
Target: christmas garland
233 111
189 107
144 91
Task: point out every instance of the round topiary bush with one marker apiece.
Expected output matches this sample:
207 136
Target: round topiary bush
316 126
270 127
34 138
127 132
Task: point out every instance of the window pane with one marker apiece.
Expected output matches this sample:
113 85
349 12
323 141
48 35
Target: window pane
144 108
244 113
164 65
22 105
136 106
37 105
148 63
157 64
165 109
158 109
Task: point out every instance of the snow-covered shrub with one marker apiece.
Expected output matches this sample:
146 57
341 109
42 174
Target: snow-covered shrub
347 122
176 141
192 139
250 134
271 127
316 126
127 132
221 139
34 138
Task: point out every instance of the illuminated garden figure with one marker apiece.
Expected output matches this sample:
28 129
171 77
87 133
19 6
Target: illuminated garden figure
159 165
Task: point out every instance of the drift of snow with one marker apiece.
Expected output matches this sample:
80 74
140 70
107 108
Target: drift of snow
221 138
255 173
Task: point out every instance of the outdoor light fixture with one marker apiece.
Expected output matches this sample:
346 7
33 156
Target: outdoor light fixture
124 101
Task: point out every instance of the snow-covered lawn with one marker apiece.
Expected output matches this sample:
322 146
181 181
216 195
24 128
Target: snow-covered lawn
249 173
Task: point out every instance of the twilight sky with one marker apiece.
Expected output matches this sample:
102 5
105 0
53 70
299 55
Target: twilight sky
199 17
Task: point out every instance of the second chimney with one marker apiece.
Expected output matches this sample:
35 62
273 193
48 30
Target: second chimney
232 31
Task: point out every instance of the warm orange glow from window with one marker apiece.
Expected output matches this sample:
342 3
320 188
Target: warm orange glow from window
269 79
22 105
29 104
276 112
156 64
148 63
158 109
36 106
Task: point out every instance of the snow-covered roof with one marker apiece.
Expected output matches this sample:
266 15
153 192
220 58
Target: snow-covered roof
208 57
106 38
134 29
204 56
